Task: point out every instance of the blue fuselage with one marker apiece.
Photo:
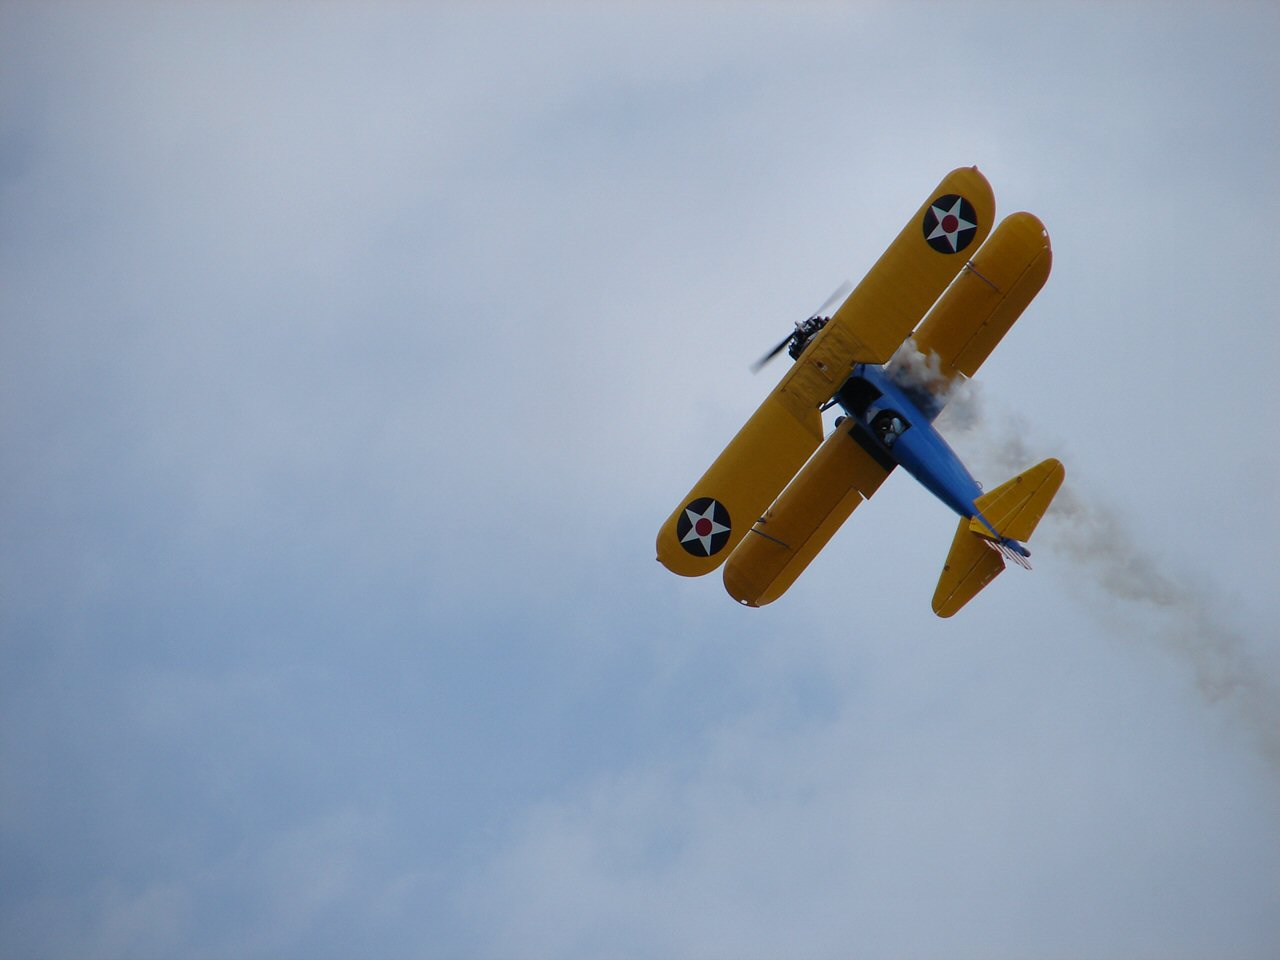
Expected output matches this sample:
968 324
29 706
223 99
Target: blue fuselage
899 430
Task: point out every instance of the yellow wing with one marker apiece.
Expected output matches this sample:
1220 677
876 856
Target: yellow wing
978 309
771 446
885 307
847 469
868 327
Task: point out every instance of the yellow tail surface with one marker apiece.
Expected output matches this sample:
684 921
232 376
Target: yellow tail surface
1013 509
970 566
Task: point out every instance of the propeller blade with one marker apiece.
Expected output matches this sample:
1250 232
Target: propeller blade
841 294
759 364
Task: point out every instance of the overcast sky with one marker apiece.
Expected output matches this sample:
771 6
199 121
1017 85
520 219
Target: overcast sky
353 354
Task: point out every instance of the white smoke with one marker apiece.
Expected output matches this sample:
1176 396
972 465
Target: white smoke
912 369
921 376
1143 596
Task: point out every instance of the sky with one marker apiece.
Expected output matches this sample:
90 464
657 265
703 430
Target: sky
351 356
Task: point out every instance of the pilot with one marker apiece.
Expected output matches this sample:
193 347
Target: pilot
889 426
893 431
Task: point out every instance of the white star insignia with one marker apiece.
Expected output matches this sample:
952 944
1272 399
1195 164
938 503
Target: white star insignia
950 224
703 526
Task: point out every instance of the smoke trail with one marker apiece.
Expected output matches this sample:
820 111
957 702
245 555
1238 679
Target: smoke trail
1178 612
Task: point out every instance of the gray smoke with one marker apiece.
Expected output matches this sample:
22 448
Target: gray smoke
1144 598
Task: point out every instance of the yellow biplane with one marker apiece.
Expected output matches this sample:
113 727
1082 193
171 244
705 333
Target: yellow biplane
926 316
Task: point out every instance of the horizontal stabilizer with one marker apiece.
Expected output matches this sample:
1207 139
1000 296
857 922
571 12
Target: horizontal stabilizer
970 566
977 554
1014 508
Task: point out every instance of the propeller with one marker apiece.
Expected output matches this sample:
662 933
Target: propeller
806 328
839 296
759 364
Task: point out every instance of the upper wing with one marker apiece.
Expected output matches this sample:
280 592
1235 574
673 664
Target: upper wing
771 446
885 307
847 469
869 326
978 309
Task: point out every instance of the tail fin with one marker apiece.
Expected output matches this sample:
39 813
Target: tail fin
1005 516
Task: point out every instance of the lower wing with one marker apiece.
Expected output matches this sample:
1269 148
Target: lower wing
988 295
847 469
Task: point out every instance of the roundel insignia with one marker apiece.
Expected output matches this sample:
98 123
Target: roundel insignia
703 528
950 223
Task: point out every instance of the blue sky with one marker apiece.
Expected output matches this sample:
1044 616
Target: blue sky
353 355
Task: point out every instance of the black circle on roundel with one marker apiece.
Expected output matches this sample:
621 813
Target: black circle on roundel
703 527
950 223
